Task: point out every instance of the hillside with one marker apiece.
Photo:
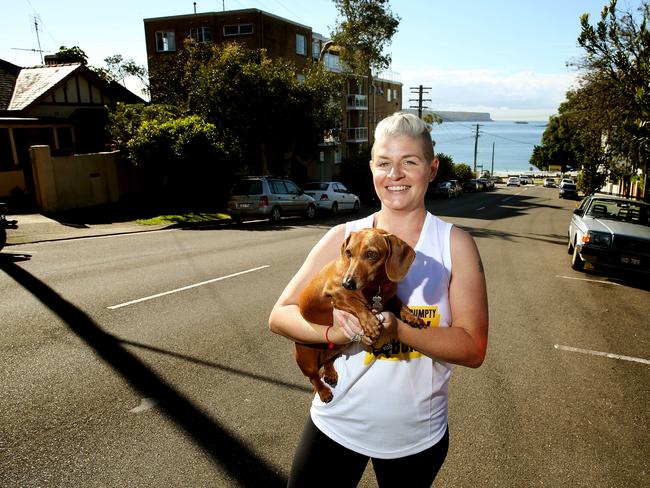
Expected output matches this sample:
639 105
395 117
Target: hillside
448 116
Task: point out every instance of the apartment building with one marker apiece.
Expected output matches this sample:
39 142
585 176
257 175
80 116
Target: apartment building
364 105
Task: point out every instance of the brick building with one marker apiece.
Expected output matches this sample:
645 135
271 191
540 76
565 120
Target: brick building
364 105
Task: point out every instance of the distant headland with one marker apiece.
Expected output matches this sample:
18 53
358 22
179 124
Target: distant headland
448 116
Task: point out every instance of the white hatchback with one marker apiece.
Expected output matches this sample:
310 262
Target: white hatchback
514 181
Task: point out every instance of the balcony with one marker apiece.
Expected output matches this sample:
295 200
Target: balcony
357 102
357 134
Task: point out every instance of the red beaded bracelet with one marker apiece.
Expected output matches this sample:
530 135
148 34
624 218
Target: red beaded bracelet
330 344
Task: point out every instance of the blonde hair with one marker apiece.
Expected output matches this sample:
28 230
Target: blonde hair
404 124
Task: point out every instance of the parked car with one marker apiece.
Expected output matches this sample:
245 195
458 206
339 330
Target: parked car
610 232
564 181
447 189
259 197
569 190
332 196
549 183
471 185
514 181
487 183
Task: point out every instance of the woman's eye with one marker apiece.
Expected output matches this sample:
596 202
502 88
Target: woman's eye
409 162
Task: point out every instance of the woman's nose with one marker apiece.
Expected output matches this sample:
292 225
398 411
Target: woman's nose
395 171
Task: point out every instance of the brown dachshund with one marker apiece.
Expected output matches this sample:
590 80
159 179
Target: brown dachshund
363 278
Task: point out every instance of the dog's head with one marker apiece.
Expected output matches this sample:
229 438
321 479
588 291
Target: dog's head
372 255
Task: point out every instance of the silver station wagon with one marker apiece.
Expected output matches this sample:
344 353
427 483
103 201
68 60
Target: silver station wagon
266 197
610 232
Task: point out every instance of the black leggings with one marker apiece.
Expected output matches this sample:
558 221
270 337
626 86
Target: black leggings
319 461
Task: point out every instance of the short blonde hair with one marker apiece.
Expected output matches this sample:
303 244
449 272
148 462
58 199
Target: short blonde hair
404 124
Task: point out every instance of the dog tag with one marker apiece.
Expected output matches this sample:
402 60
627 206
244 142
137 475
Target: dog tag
376 303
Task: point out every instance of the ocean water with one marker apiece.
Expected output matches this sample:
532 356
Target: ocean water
513 144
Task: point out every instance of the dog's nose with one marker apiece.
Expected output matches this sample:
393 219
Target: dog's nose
350 284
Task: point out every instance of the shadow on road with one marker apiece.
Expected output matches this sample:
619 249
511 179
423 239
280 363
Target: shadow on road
225 450
221 367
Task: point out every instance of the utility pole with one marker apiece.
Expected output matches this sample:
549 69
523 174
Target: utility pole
492 170
419 91
475 149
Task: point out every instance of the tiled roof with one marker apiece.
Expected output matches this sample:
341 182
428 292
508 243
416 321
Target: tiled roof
8 74
32 83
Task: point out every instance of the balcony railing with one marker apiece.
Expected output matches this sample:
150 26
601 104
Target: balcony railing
357 102
357 134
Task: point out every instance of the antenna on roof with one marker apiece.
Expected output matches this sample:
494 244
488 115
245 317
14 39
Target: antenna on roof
38 40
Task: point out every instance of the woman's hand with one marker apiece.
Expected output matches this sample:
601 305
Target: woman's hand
389 324
349 326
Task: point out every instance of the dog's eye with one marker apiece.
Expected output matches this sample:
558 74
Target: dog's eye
371 255
348 253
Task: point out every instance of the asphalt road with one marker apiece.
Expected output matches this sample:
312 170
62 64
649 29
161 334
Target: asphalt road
145 359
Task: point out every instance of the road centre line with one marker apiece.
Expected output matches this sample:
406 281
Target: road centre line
214 280
586 279
599 353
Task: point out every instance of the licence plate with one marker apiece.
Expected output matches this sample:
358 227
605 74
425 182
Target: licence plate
243 205
631 260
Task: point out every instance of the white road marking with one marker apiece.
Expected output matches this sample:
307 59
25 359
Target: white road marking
480 208
506 199
214 280
604 354
586 279
145 404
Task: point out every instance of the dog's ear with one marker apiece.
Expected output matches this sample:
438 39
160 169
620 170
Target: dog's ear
400 257
345 244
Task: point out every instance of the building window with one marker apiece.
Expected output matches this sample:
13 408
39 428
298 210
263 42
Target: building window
315 48
201 34
237 29
389 92
165 41
301 78
301 44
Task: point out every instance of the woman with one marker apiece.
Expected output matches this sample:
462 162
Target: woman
390 403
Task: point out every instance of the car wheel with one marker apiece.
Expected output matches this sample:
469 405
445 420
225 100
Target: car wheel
3 237
335 208
276 215
576 261
356 207
311 212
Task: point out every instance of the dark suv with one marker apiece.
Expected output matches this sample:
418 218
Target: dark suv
259 197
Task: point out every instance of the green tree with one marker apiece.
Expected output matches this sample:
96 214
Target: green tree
180 157
462 172
364 29
616 64
118 69
72 54
271 116
445 167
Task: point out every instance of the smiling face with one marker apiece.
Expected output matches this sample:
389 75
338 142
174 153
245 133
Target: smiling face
401 172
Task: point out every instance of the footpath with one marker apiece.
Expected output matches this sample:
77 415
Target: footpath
34 228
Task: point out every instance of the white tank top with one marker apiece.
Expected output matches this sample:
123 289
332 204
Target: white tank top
391 401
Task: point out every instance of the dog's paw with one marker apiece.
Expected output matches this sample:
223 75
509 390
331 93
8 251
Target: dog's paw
413 321
325 395
331 380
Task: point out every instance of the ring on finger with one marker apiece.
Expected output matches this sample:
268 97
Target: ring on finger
356 338
380 317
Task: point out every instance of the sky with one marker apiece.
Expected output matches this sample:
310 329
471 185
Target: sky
505 57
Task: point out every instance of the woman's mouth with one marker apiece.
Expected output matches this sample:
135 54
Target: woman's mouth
397 188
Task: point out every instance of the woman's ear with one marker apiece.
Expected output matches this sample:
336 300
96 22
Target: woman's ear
434 168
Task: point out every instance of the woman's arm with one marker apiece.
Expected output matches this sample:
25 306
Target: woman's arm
465 342
285 318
